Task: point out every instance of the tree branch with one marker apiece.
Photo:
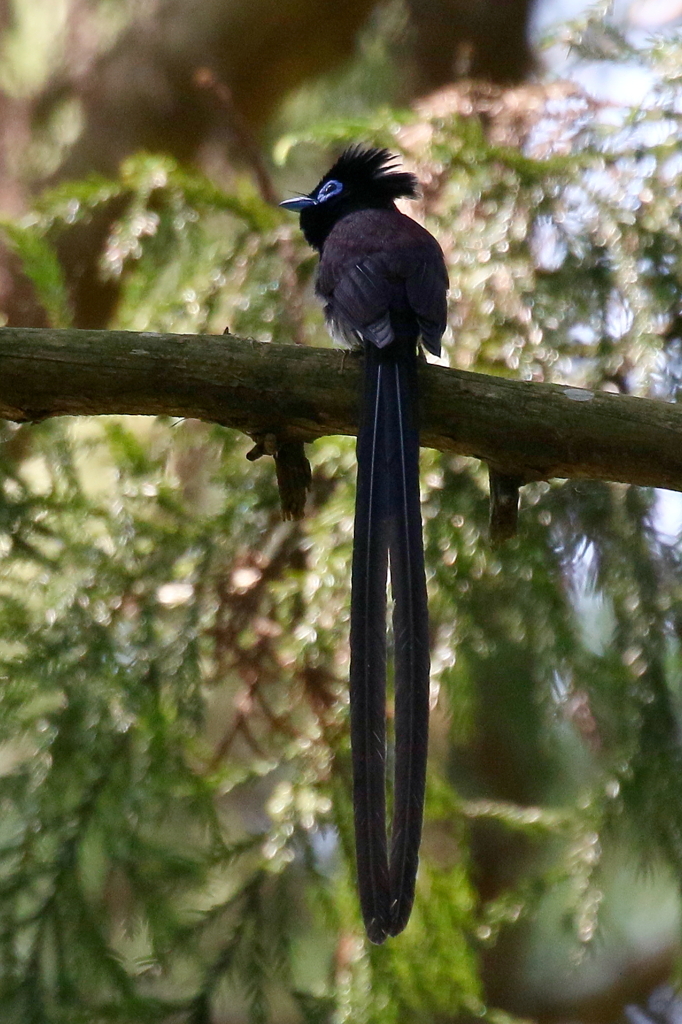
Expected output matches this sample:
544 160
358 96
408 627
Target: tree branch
527 430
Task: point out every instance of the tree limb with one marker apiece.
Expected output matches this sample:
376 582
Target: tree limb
527 430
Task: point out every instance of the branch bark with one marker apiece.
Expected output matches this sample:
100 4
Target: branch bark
527 430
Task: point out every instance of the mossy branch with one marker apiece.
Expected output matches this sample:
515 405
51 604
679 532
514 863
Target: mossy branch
521 429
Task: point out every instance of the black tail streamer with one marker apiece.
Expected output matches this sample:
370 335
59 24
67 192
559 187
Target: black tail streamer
388 522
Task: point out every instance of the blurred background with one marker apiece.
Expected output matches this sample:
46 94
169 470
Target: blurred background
175 835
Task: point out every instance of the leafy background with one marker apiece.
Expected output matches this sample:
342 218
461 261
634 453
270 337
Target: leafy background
175 837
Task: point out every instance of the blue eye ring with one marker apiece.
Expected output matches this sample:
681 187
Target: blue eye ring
329 190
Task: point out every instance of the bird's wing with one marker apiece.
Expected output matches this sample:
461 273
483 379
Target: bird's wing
426 286
360 300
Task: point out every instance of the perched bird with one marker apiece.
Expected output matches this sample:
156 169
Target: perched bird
383 281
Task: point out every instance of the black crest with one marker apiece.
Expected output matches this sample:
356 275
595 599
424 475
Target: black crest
361 179
372 172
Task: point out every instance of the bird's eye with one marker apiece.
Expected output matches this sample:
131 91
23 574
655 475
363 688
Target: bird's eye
329 189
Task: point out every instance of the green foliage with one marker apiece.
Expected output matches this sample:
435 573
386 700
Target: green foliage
176 838
39 262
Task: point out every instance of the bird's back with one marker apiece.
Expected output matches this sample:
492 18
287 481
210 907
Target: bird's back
382 275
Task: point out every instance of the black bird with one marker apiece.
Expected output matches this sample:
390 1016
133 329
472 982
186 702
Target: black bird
383 281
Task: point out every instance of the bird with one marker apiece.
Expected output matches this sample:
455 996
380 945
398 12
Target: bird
383 282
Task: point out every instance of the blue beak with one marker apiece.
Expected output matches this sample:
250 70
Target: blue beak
298 203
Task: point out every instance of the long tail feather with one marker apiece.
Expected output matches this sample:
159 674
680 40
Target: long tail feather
411 635
388 521
368 653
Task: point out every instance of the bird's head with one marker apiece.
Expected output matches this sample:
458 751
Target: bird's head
361 179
